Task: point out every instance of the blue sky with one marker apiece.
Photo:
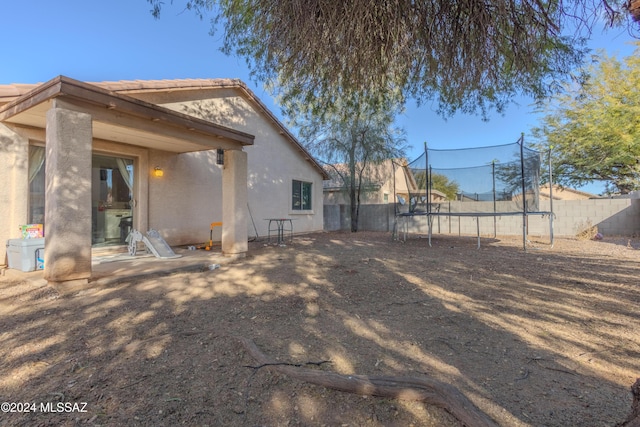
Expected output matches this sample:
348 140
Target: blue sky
120 40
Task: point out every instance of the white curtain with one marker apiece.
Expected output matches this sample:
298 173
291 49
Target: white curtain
36 160
127 175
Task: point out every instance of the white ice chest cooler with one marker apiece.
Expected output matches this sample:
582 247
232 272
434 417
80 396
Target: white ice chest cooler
26 254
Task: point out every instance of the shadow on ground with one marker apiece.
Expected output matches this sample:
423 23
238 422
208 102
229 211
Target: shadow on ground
546 337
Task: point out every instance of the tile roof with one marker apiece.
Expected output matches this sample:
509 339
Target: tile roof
179 84
13 91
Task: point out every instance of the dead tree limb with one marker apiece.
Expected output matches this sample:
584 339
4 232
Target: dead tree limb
406 388
634 418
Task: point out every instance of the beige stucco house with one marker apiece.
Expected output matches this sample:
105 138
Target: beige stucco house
92 160
564 193
390 181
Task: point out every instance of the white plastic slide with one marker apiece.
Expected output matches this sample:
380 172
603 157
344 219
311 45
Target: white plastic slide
153 242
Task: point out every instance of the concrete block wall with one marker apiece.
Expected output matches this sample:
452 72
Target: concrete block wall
331 217
613 217
376 217
487 225
619 217
371 218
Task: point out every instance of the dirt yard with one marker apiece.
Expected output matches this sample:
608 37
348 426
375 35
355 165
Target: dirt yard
546 337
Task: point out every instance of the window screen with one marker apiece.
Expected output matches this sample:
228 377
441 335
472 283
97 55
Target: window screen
301 196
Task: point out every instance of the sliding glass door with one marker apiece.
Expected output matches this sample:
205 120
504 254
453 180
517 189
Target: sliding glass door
111 196
36 184
111 199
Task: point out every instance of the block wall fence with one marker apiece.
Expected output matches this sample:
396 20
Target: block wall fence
613 217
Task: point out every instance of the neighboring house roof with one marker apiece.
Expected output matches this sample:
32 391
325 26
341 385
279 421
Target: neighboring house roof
383 173
333 186
335 182
375 176
410 179
564 193
11 92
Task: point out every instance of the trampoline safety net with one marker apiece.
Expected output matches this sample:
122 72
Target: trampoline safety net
491 180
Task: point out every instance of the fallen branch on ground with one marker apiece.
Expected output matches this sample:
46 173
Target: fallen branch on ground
298 365
633 420
406 388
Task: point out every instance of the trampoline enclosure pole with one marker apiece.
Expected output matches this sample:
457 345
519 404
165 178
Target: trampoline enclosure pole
550 198
524 198
493 174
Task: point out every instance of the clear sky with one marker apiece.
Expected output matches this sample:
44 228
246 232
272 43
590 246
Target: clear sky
120 40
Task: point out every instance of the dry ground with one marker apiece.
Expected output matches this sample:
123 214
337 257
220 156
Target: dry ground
547 337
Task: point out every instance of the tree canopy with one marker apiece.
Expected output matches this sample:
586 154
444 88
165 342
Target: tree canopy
445 185
349 138
439 182
465 55
594 129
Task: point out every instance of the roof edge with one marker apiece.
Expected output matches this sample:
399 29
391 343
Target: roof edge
141 86
283 129
65 86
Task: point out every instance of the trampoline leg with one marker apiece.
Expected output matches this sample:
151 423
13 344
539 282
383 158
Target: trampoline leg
394 233
551 227
406 228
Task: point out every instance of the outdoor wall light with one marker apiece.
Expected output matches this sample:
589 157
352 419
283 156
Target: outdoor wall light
158 172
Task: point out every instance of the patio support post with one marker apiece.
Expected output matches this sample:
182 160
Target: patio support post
234 204
67 254
14 150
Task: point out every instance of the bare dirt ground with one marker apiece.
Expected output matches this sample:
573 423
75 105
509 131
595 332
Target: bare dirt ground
546 337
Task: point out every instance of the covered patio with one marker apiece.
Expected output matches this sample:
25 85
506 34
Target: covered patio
115 268
76 119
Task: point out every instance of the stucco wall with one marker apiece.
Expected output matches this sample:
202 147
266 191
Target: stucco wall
385 183
188 198
14 186
273 163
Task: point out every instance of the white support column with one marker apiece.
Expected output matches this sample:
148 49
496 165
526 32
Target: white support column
67 259
234 204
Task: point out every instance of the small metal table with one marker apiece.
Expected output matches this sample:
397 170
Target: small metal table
279 225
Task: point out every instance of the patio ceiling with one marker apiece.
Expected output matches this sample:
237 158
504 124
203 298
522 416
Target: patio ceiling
122 119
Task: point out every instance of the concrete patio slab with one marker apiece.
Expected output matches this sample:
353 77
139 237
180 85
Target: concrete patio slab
110 269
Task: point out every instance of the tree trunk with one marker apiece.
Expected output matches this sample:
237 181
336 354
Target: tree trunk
352 189
353 211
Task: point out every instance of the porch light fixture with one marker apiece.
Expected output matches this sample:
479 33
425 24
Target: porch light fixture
158 172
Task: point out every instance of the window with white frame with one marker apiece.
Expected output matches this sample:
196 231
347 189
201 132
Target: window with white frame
301 196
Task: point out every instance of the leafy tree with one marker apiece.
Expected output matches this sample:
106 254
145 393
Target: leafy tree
438 182
467 55
349 138
594 129
511 176
526 168
445 185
